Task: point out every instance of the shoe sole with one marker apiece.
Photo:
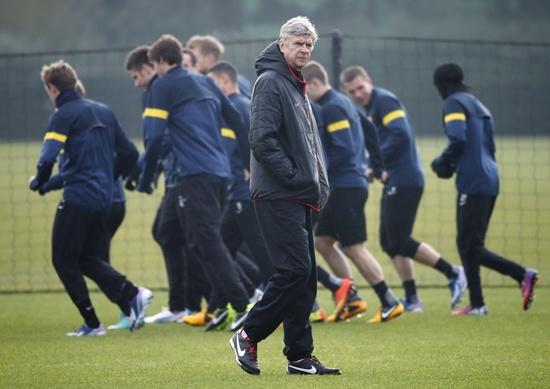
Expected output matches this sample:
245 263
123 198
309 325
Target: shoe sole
355 313
116 327
241 365
163 321
531 296
298 372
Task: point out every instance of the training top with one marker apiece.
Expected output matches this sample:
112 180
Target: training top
191 116
167 161
343 141
239 189
56 181
96 150
397 142
469 126
245 87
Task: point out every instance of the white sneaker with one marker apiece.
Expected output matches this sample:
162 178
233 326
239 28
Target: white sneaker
138 308
166 316
122 324
84 330
458 286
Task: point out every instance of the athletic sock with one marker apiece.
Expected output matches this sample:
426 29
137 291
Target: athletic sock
328 280
445 268
88 313
385 295
410 290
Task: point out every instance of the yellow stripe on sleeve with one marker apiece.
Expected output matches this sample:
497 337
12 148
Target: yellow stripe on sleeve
455 116
55 136
228 133
393 115
155 113
339 125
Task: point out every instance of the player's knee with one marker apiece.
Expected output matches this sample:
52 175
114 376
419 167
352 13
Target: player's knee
388 248
156 236
297 274
164 238
470 251
408 248
62 265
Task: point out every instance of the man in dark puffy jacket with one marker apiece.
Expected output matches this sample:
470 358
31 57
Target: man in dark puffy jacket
288 181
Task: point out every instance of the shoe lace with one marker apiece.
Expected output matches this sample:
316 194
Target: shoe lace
313 360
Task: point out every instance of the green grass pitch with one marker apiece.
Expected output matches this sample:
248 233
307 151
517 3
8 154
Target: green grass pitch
507 349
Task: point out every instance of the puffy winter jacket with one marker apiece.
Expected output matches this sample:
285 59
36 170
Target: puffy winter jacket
287 161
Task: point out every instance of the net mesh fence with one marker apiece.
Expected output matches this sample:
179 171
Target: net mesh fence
510 78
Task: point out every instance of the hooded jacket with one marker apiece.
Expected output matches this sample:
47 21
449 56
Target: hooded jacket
287 161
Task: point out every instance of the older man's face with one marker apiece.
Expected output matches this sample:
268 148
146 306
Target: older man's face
297 50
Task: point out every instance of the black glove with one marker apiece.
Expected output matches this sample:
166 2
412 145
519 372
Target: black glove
156 176
132 180
443 169
148 189
33 184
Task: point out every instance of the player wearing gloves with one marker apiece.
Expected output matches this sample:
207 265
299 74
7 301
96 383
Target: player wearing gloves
471 151
96 151
403 188
189 112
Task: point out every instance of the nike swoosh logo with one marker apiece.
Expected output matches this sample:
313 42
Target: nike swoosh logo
240 351
311 370
386 314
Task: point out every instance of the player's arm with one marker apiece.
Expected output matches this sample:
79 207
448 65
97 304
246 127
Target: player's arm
265 123
242 137
126 153
244 85
54 140
133 178
155 119
233 118
394 121
338 134
372 144
318 115
454 121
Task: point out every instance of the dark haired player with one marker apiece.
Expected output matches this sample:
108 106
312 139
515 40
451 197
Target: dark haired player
182 107
471 153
